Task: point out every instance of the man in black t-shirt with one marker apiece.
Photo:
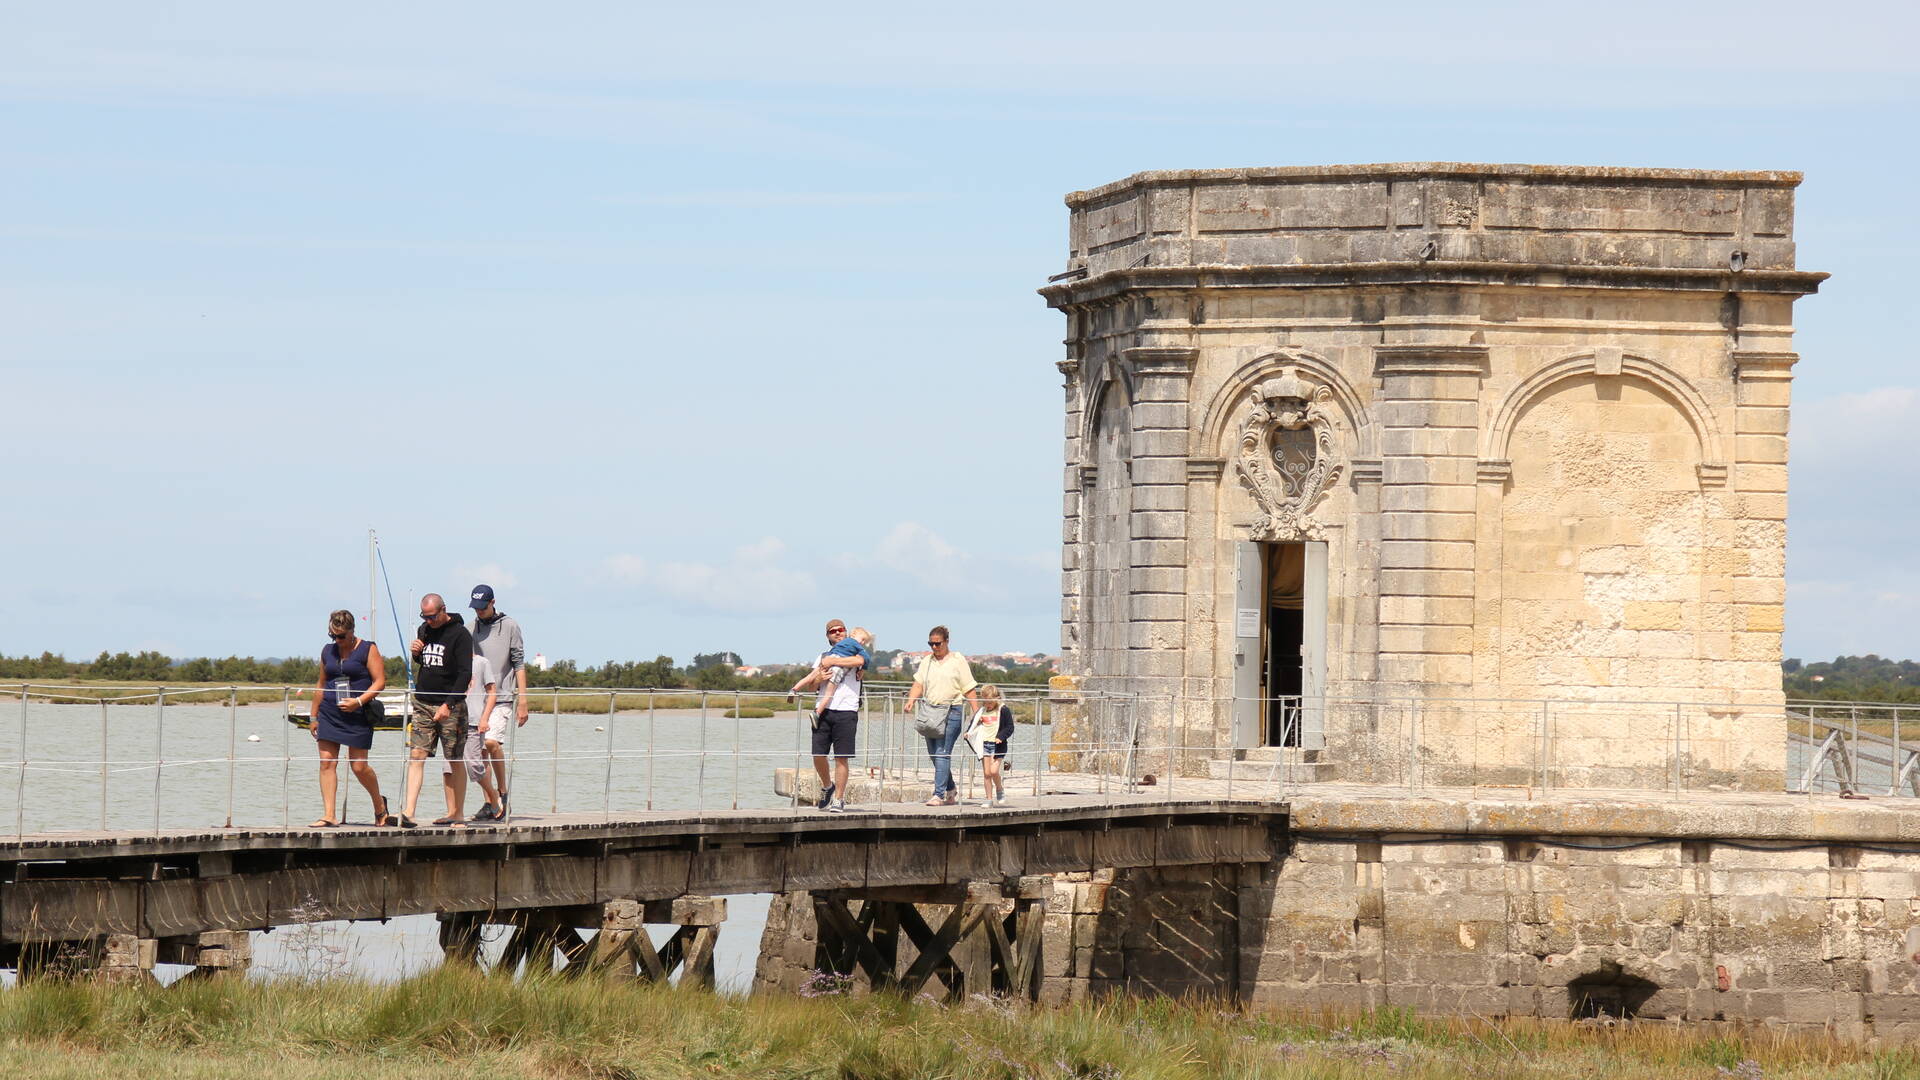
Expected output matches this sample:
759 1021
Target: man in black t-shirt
443 663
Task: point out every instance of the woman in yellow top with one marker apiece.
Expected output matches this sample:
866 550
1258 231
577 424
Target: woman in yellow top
943 678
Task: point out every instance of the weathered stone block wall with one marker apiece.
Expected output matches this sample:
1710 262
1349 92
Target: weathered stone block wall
1557 399
1816 936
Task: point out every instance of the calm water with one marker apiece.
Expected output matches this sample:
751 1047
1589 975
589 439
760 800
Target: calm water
92 766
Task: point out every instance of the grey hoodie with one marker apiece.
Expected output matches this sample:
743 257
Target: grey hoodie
498 639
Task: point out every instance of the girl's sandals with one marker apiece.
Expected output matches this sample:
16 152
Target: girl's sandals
323 823
384 819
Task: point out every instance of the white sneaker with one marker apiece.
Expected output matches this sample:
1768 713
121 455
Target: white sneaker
986 802
838 806
1001 801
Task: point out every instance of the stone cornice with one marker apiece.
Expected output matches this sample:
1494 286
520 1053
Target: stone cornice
1206 468
1161 360
1433 272
1493 472
1368 471
1750 365
1438 170
1420 358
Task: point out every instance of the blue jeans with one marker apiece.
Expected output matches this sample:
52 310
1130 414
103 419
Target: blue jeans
941 751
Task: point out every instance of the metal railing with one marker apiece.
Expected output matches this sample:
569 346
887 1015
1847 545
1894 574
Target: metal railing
1854 748
114 759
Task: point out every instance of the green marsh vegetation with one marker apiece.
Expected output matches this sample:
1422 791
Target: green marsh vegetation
457 1022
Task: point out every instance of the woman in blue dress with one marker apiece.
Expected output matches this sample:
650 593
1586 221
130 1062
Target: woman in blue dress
351 675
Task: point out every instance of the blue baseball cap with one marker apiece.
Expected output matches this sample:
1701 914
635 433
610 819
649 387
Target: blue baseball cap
482 596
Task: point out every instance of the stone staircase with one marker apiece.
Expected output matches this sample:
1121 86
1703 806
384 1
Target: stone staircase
1265 763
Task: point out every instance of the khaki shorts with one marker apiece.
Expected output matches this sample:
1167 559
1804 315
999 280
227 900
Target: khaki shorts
425 732
500 726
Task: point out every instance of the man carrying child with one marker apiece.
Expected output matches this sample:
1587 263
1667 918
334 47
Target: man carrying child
836 713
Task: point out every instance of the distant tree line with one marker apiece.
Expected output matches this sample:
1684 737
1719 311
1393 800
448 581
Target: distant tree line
707 671
1854 678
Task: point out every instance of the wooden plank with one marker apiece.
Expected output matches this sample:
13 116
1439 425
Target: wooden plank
1029 933
737 869
1000 952
934 953
1060 851
56 910
974 860
675 950
1124 847
853 946
321 894
698 967
886 933
545 882
426 888
907 862
575 948
652 967
831 865
643 875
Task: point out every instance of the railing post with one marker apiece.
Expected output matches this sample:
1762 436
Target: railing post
286 752
736 752
700 784
103 760
553 767
606 790
20 788
233 720
159 748
513 759
1893 762
799 735
1853 746
652 720
1546 743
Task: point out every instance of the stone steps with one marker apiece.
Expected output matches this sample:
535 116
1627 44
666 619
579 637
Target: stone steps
1268 762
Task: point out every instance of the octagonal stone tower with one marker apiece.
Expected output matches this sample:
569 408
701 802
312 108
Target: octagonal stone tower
1436 472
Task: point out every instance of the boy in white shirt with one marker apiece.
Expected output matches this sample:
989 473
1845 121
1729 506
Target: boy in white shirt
482 737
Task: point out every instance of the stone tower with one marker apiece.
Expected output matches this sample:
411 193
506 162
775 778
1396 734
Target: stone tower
1346 445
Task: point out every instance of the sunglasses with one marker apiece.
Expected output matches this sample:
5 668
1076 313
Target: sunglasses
837 630
935 644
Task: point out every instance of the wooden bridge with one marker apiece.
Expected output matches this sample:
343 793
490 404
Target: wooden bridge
117 903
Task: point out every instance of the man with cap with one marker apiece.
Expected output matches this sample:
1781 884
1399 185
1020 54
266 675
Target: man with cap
496 636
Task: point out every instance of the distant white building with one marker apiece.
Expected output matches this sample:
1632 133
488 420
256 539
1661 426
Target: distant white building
540 661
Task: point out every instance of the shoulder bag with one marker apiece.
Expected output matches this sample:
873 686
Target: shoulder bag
929 719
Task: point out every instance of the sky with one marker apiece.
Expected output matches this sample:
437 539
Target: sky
688 328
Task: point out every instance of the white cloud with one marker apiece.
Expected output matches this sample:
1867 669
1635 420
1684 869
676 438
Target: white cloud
759 199
912 560
1852 583
751 581
491 573
910 568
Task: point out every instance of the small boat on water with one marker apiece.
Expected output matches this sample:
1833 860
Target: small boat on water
300 713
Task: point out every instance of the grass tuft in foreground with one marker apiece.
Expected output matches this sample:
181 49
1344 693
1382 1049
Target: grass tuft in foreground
456 1023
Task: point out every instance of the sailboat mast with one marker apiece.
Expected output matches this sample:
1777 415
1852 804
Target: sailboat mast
373 602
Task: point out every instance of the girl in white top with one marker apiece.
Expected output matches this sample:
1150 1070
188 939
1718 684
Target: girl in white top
992 727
